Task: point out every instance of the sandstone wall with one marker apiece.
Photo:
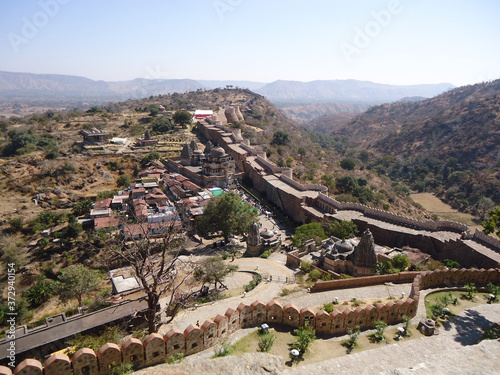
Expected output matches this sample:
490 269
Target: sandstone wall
155 348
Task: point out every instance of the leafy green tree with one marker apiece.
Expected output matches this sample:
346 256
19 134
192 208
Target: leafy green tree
302 151
76 281
40 292
182 118
305 336
82 208
407 324
154 109
380 327
306 231
213 271
492 225
352 341
161 124
451 263
73 230
346 184
123 181
347 164
150 157
401 261
280 138
364 156
227 214
341 229
329 181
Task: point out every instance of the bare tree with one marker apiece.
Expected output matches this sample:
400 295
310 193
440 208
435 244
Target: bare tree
157 263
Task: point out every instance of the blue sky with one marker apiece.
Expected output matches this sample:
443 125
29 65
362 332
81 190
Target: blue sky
389 41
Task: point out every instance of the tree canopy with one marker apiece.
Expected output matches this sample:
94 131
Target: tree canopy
227 214
306 231
182 118
341 229
76 281
280 138
492 225
213 271
347 164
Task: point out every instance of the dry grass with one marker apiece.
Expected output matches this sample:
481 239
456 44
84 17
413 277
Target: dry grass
321 349
444 211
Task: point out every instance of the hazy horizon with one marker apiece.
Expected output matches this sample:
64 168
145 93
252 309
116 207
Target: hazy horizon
398 42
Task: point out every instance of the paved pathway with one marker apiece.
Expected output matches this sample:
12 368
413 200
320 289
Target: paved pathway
264 292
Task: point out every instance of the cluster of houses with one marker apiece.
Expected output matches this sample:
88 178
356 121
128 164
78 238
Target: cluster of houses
153 202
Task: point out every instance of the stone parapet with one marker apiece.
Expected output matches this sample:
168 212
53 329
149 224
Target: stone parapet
155 349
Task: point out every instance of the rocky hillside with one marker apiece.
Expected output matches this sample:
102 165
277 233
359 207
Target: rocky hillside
449 144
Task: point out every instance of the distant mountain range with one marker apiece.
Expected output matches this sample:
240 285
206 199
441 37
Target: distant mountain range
351 91
26 87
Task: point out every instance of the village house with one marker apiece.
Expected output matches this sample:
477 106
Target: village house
95 136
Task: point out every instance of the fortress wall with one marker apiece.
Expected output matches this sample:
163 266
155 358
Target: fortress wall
457 250
487 239
383 215
155 349
303 187
356 282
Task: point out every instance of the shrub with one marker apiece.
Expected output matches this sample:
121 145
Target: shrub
223 349
352 341
123 181
494 289
121 369
451 263
305 336
173 359
315 274
305 266
470 290
40 292
266 254
266 341
378 335
401 262
256 279
347 164
328 307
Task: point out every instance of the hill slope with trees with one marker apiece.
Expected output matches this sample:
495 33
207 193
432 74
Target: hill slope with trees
449 144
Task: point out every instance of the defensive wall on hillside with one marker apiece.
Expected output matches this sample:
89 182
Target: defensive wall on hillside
156 349
309 202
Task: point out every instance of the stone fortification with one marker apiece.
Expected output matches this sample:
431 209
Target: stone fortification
329 204
156 349
310 202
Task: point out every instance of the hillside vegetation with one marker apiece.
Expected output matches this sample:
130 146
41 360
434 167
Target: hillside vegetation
449 144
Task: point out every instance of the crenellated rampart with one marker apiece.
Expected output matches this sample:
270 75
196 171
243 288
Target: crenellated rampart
156 349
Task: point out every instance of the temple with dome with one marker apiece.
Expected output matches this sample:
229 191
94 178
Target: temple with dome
348 256
211 167
259 240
